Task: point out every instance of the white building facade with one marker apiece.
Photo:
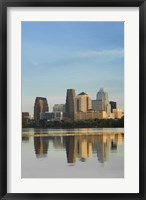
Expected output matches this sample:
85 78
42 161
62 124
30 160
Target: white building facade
82 102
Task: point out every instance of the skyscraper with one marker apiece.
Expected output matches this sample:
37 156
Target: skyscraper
113 105
103 101
70 103
40 106
82 102
95 105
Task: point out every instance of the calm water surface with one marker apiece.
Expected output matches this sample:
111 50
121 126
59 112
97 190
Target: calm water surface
73 153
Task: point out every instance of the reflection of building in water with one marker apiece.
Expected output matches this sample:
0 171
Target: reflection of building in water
113 145
108 143
84 148
103 148
80 146
58 142
71 149
119 138
41 145
25 138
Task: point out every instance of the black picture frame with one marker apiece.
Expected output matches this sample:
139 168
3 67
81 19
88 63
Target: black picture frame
4 4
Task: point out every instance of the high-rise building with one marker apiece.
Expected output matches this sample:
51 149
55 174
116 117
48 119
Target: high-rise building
113 105
82 102
103 101
40 106
70 103
59 108
95 105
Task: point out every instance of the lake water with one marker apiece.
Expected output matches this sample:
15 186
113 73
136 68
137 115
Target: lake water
73 153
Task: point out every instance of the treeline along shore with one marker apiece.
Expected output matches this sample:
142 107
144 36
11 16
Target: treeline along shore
90 123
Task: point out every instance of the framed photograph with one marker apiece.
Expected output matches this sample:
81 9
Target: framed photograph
72 99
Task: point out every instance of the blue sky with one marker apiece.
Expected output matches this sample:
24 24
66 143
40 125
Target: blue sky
85 56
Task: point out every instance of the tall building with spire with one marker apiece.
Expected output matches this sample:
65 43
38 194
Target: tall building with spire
103 101
70 103
40 106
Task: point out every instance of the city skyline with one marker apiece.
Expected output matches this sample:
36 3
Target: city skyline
80 55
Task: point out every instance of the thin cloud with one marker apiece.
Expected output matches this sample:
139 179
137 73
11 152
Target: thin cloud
83 57
115 53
